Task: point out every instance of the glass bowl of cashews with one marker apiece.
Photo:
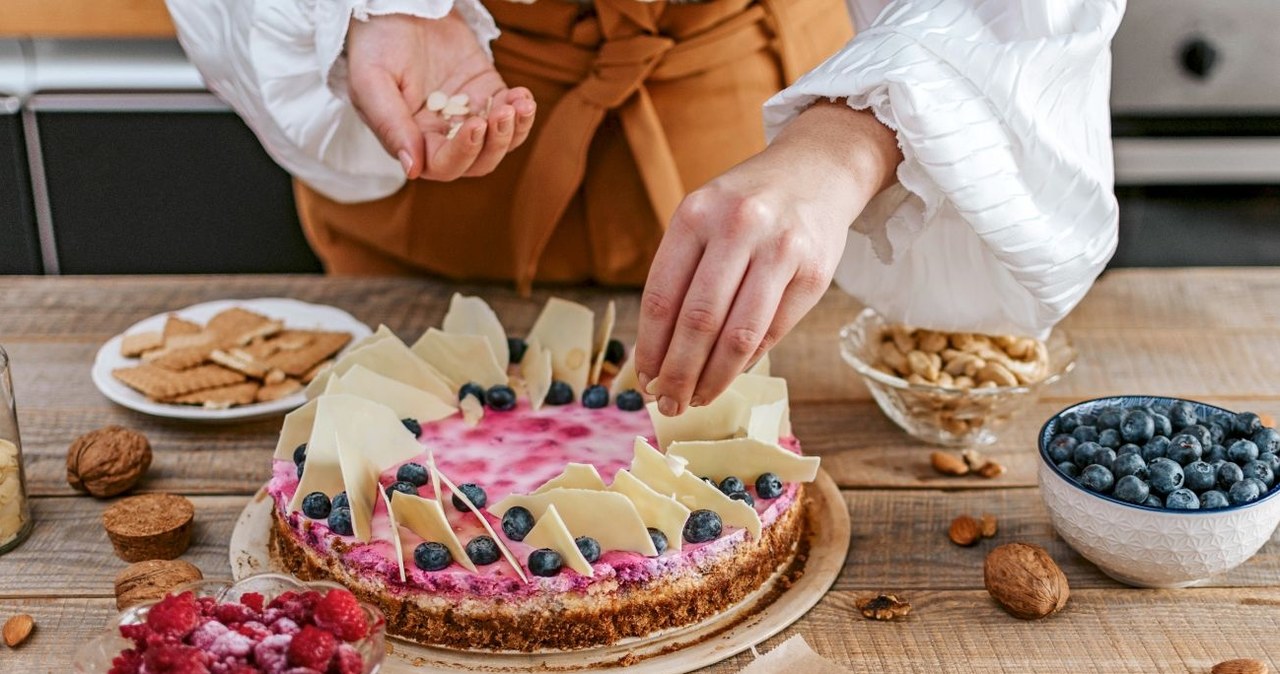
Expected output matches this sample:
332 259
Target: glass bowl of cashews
954 389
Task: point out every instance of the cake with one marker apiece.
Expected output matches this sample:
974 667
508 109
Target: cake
604 520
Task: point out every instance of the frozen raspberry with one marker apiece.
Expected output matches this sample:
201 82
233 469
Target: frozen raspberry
302 670
312 647
254 630
232 614
235 668
175 615
298 607
285 626
253 600
347 661
175 659
203 636
272 654
231 645
129 661
340 613
135 633
206 604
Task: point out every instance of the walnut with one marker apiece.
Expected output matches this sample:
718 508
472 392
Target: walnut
883 607
151 580
1024 579
108 461
1240 666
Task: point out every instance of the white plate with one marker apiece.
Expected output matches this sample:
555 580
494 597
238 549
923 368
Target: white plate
295 314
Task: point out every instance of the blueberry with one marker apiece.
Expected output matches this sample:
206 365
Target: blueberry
731 485
1182 414
659 540
1084 434
472 389
744 497
1226 420
1129 448
301 467
1157 448
340 521
500 398
768 486
482 550
615 352
1214 499
702 526
1165 475
1215 453
1137 426
1229 474
1163 427
560 393
432 556
1262 486
595 397
1182 499
300 453
1216 432
402 487
1153 501
1129 464
1109 438
1244 491
1243 451
1061 447
1267 440
1160 407
341 500
1185 448
316 505
545 562
516 347
1199 476
1097 478
1272 460
589 547
1110 418
1088 419
1132 489
517 523
473 493
1200 432
630 400
1105 457
1260 471
1068 422
412 425
1083 455
413 473
1069 469
1247 423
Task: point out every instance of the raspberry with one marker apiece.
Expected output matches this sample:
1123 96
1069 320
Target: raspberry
301 670
312 647
231 614
340 613
175 659
285 626
347 661
204 636
271 654
231 645
236 668
206 604
175 615
135 633
298 607
253 600
254 630
129 661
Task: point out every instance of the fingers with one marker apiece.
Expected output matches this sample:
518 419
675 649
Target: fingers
502 123
382 105
802 294
669 277
748 330
521 99
451 159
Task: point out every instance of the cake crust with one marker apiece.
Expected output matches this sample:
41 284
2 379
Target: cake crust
602 615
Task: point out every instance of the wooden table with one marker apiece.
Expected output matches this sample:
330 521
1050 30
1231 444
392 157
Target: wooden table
1212 335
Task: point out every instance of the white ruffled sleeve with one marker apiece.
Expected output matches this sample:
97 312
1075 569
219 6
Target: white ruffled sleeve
280 65
1004 214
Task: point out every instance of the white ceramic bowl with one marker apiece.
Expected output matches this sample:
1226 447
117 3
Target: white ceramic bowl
1146 546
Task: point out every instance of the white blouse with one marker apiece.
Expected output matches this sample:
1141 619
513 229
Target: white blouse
1003 215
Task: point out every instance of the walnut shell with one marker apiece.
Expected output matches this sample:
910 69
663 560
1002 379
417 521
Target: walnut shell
108 461
1024 579
151 580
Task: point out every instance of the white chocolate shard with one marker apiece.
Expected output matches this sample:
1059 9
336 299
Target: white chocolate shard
472 410
502 547
536 370
404 400
762 366
608 517
565 328
746 458
460 358
395 533
361 483
378 335
626 379
551 532
761 389
574 476
604 331
652 468
658 511
765 422
391 358
474 316
425 517
296 430
723 418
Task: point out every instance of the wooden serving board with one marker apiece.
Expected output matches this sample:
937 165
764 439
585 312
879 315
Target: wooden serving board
761 615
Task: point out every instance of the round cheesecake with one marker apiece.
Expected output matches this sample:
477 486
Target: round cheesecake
500 607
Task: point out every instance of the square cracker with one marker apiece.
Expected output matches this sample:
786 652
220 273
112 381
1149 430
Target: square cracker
237 327
298 362
134 345
271 392
158 383
176 325
238 360
221 397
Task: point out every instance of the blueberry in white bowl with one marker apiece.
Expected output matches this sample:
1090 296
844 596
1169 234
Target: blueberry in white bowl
1191 492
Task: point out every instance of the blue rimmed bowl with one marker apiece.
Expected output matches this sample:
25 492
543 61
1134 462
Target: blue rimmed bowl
1145 546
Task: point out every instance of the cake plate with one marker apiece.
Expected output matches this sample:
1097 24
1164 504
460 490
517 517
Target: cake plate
760 615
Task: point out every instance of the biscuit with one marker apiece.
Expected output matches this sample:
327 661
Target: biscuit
241 362
159 383
300 361
175 325
271 392
134 345
221 397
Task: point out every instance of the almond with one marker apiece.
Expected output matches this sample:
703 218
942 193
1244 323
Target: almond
990 469
988 525
17 629
965 531
948 464
1240 666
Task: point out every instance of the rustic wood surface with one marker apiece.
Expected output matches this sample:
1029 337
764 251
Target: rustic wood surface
1212 335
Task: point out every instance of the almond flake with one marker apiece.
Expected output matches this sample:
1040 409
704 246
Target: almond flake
437 100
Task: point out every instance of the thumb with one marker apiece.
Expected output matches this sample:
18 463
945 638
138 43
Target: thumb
383 108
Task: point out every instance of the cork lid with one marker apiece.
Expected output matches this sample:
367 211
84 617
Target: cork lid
148 514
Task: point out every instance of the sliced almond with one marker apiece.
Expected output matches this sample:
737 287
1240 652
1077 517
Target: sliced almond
437 100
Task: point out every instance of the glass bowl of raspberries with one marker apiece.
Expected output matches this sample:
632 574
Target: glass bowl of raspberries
1160 492
267 623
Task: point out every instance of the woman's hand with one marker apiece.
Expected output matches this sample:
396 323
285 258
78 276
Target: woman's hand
748 254
395 61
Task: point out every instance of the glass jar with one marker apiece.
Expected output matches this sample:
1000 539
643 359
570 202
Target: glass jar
15 513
